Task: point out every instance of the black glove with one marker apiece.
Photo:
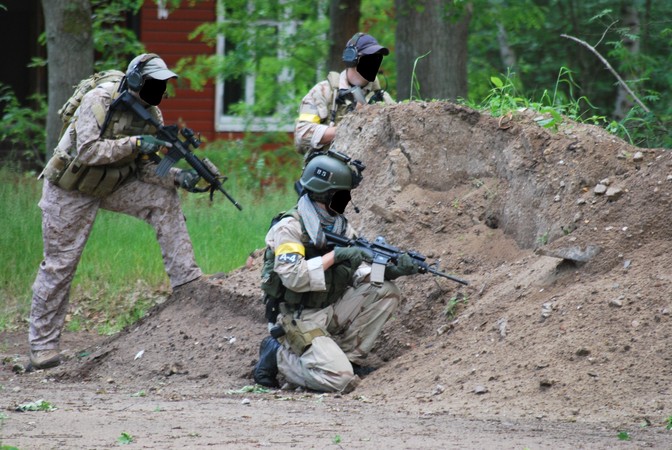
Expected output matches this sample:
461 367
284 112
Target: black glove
405 266
354 255
187 179
148 144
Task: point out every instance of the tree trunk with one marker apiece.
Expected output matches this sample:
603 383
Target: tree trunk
440 30
507 54
69 32
344 23
630 18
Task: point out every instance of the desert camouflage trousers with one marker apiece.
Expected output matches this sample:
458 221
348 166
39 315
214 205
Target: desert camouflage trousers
353 324
67 220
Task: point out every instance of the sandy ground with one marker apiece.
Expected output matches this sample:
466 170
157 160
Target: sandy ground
560 340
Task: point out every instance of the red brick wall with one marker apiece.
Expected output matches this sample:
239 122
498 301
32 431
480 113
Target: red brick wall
169 38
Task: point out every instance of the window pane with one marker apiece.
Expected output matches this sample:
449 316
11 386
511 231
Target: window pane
234 88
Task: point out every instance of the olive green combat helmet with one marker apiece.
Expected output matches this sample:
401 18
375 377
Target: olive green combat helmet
330 172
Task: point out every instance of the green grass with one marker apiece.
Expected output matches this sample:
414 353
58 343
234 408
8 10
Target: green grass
121 273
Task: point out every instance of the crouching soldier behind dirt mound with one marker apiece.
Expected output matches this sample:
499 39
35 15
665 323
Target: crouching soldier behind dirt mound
330 315
325 105
113 172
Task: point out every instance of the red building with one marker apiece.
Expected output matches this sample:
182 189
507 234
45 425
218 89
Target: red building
162 32
167 34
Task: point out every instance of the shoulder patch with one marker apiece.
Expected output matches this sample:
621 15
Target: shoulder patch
291 258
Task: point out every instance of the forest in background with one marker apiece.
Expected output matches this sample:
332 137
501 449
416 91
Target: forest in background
563 57
525 44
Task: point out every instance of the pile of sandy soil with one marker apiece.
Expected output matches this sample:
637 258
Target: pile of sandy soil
565 240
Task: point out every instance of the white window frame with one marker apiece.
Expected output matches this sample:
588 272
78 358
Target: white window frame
232 123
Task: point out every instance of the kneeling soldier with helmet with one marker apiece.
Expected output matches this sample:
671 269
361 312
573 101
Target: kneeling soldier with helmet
325 315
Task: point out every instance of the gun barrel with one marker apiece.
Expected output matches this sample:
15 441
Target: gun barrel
208 176
450 277
226 194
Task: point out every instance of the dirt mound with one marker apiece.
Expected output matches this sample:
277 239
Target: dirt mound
563 235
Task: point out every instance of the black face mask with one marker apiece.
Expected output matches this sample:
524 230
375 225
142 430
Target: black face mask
339 201
152 91
368 66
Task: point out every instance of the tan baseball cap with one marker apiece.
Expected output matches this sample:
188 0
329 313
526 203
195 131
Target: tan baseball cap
153 67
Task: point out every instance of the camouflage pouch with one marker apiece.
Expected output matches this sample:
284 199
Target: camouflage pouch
70 177
299 334
270 281
56 166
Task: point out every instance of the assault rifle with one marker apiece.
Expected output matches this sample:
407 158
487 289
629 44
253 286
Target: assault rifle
382 253
179 149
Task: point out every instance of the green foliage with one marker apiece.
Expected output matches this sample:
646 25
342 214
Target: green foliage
253 165
283 60
125 438
112 38
623 436
117 283
518 19
504 99
24 127
451 307
532 32
642 129
125 314
38 405
249 389
415 85
668 427
378 18
20 242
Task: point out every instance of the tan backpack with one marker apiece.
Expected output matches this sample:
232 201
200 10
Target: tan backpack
68 109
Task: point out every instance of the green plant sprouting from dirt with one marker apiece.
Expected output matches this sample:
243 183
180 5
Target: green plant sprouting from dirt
415 84
125 438
39 405
623 436
451 306
638 127
505 99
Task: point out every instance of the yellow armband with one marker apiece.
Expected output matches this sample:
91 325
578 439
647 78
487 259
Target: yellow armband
313 118
291 247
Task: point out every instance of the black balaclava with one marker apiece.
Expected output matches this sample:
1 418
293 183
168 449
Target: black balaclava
368 66
339 201
152 91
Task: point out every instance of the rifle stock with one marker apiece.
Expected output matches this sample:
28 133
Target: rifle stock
381 253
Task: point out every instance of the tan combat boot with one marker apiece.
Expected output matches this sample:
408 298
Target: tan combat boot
45 359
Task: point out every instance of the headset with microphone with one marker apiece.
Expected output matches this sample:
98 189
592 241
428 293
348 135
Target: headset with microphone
134 78
351 54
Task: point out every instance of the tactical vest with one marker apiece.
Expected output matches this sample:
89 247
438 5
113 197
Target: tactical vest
339 107
337 277
101 180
